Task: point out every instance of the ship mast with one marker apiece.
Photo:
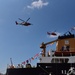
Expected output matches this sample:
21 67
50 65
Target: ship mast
11 61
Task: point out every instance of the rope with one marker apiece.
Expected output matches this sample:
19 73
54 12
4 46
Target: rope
44 69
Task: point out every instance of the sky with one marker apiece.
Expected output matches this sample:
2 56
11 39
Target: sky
23 42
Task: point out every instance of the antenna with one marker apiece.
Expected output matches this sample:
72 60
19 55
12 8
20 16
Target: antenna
11 61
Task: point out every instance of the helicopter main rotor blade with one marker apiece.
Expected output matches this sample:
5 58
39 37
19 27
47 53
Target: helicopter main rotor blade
21 19
27 19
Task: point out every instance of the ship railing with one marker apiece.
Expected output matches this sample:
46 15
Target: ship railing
72 49
20 66
56 59
13 66
10 66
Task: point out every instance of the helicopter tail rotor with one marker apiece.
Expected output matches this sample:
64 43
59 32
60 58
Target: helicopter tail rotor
16 22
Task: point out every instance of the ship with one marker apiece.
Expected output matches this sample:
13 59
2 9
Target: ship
60 61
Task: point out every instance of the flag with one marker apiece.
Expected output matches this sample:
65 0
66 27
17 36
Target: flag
23 62
32 58
27 61
36 55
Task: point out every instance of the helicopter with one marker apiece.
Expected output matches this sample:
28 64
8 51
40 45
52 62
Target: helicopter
51 33
24 23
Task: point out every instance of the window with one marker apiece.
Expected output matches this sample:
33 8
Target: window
66 42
